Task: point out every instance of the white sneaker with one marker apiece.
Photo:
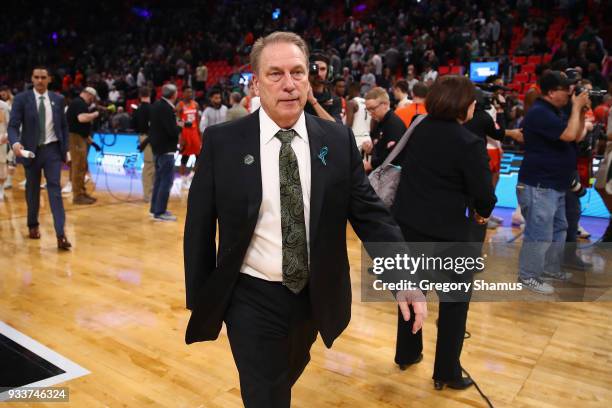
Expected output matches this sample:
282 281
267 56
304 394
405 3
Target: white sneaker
67 188
8 183
87 178
1 192
538 286
582 233
22 184
492 224
43 186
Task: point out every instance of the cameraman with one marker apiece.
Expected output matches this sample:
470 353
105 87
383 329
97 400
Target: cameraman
321 101
580 181
483 125
79 120
544 178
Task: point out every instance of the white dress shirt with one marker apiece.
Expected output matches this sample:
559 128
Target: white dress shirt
50 135
264 257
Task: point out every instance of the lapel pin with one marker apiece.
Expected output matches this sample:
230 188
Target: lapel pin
248 160
322 155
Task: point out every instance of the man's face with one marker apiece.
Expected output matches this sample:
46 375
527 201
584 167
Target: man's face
340 88
4 95
322 70
559 97
88 98
377 108
188 94
282 82
398 94
41 79
215 100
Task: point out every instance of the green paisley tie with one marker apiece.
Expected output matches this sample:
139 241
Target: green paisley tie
295 252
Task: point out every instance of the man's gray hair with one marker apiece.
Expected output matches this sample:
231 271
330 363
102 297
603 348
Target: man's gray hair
168 91
275 38
236 97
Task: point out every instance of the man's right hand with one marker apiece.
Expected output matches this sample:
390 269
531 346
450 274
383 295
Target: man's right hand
17 149
581 101
367 147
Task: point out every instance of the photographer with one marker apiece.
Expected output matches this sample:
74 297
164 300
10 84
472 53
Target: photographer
79 120
483 125
321 101
544 178
581 180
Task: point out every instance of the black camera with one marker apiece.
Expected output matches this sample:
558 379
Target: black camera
592 92
188 124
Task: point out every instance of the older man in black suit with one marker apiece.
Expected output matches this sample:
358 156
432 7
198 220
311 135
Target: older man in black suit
281 184
163 136
38 125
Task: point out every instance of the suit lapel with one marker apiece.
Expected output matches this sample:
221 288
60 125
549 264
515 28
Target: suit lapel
250 160
316 139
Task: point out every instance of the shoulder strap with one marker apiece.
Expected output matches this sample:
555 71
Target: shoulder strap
402 143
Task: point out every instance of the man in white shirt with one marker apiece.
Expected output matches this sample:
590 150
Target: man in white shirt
215 113
281 185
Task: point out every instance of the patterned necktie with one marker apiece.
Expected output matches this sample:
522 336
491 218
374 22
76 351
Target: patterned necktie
42 119
295 251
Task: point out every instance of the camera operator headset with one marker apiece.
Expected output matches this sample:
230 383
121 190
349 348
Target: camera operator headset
321 101
483 125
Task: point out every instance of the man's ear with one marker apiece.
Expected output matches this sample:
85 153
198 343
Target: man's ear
256 84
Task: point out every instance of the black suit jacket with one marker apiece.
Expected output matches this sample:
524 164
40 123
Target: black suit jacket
163 131
228 191
445 172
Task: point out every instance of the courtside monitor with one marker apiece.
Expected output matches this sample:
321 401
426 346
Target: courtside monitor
480 71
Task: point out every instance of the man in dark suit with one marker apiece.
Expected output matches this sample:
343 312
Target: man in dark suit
388 130
163 136
281 184
38 125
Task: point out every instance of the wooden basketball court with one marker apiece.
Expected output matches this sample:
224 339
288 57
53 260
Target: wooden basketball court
114 305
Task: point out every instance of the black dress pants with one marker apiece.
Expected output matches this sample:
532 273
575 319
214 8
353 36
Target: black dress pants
270 330
452 319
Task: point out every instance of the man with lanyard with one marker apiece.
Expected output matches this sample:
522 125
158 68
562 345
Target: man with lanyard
190 141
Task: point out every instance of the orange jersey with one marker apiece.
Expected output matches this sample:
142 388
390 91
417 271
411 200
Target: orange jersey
408 112
190 135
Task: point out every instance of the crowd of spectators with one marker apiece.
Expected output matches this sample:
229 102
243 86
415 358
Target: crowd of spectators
118 47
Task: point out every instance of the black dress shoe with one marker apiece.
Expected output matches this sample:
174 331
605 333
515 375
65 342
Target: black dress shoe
406 365
461 384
